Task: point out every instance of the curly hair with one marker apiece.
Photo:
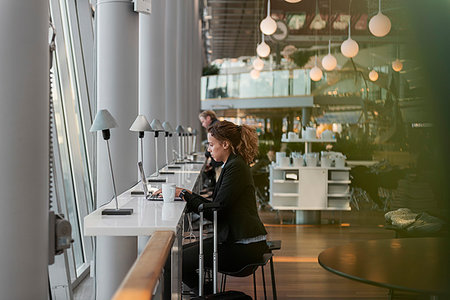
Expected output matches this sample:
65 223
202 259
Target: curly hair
243 138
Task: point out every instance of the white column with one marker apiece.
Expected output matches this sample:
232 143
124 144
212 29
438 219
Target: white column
181 63
24 90
197 71
171 68
117 91
152 78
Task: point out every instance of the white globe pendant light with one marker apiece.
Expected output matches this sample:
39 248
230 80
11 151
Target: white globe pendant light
315 73
268 25
379 25
254 74
258 64
263 50
293 1
373 75
329 62
397 65
349 47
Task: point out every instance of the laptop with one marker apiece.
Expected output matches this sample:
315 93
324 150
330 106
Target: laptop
148 192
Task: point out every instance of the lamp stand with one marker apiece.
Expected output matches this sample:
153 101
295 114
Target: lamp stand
156 162
114 211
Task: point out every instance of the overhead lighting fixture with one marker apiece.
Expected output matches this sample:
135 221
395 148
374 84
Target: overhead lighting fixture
397 65
373 75
254 74
379 25
258 64
293 1
315 73
263 50
268 25
318 23
349 47
329 62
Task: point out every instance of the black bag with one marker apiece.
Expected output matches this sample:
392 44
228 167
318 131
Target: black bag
227 295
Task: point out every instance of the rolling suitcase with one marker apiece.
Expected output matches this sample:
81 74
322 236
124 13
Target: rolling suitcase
228 295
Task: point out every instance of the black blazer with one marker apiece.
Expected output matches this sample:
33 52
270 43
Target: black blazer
234 191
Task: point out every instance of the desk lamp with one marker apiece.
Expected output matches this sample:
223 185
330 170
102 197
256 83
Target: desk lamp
169 131
189 138
157 128
180 131
104 121
140 125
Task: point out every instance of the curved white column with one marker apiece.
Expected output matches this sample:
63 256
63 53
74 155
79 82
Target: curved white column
117 91
182 114
117 87
152 78
24 90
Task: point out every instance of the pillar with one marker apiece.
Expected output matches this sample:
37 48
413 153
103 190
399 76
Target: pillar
117 91
152 78
24 150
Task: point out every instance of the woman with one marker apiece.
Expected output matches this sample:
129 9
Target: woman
241 234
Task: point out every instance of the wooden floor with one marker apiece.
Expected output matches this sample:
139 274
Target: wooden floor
297 272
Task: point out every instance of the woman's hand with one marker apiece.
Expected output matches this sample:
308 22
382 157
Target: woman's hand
177 191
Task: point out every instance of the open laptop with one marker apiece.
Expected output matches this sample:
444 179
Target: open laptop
148 192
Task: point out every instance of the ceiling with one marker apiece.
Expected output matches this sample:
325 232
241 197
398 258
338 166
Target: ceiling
231 27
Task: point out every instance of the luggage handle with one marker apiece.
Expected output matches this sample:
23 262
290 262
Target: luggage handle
201 256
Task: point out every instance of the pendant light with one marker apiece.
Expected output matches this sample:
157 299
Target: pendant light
258 64
397 65
254 74
293 1
379 25
315 73
349 47
329 62
263 49
268 25
373 75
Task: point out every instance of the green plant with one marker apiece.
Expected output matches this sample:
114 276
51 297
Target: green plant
210 70
300 58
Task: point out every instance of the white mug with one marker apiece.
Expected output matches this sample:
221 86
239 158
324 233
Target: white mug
168 192
285 161
279 156
297 161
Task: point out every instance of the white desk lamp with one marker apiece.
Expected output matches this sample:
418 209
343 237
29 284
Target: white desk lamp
194 143
189 140
140 125
104 121
168 133
157 128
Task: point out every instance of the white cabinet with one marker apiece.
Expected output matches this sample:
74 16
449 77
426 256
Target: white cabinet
309 188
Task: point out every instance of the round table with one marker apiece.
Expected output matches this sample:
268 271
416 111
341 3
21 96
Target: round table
417 265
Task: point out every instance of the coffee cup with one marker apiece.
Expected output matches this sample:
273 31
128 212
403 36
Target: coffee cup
168 192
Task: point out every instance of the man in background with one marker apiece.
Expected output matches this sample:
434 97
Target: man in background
208 118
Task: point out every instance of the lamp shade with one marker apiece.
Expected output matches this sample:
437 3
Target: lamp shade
254 74
258 64
315 73
397 65
329 62
167 127
103 120
349 48
373 75
268 26
379 25
140 124
189 129
293 1
156 125
179 129
194 131
263 50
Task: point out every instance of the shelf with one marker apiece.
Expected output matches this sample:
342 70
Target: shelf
308 140
285 207
337 208
285 194
339 181
284 181
338 195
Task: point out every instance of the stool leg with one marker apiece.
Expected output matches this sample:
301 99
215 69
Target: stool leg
254 285
272 273
264 282
224 281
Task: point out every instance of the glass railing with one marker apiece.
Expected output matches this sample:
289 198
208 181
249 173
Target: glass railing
294 82
269 84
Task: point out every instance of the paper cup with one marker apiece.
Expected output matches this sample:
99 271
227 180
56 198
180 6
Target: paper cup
168 192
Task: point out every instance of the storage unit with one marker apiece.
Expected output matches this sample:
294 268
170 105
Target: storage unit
309 188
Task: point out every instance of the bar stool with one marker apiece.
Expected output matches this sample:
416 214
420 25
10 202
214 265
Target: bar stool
251 269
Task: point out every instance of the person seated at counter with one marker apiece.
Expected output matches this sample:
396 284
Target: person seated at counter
241 234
